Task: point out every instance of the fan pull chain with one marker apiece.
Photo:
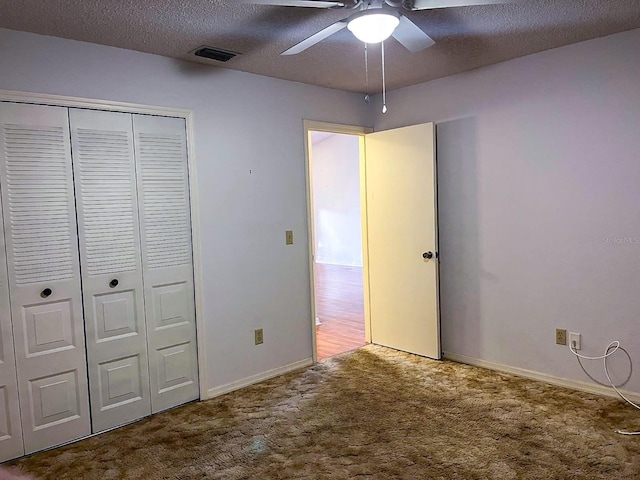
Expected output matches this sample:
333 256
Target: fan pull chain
367 98
384 86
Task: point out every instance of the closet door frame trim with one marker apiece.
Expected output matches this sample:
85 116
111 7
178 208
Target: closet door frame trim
109 106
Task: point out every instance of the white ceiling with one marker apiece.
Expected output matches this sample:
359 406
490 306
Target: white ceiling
466 37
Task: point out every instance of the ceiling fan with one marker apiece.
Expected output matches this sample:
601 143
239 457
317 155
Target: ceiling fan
374 20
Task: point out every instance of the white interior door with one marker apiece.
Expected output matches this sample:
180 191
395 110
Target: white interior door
11 445
165 225
110 256
44 277
401 220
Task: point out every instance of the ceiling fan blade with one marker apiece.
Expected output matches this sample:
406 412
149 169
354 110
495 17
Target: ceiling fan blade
429 4
316 37
411 36
295 3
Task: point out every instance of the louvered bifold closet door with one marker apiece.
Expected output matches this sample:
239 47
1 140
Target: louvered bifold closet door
110 257
11 445
165 225
44 277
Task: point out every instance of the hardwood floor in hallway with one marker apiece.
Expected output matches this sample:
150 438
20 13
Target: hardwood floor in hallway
340 308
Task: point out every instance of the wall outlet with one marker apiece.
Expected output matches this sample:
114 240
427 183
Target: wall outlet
575 340
258 336
561 336
288 237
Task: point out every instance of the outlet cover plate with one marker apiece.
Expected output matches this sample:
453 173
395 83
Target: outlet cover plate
561 336
575 337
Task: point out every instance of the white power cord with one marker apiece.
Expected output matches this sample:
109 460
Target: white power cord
615 345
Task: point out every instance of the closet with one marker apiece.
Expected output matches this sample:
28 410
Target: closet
96 277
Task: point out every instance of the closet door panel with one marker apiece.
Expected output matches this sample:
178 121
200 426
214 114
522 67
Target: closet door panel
11 445
165 224
110 256
44 278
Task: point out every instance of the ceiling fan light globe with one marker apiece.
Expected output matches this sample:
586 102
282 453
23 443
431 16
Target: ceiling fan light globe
373 27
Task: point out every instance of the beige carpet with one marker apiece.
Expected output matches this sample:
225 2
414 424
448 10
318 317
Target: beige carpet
372 414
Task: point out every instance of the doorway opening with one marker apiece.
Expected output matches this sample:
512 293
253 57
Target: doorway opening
399 236
334 161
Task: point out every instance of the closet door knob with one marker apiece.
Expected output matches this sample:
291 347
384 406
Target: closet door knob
427 255
46 292
113 283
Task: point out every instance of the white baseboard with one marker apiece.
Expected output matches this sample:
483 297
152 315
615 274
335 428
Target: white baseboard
260 377
339 264
543 377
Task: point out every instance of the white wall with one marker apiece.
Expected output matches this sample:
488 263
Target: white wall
243 123
539 179
336 198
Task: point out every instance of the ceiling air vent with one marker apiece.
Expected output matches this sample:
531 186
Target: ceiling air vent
214 54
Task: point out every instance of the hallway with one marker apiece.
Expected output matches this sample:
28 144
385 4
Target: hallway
340 308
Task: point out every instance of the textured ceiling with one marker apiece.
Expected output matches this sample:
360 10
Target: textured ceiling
466 37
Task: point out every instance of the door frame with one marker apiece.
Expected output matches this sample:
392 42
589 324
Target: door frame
187 115
314 126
